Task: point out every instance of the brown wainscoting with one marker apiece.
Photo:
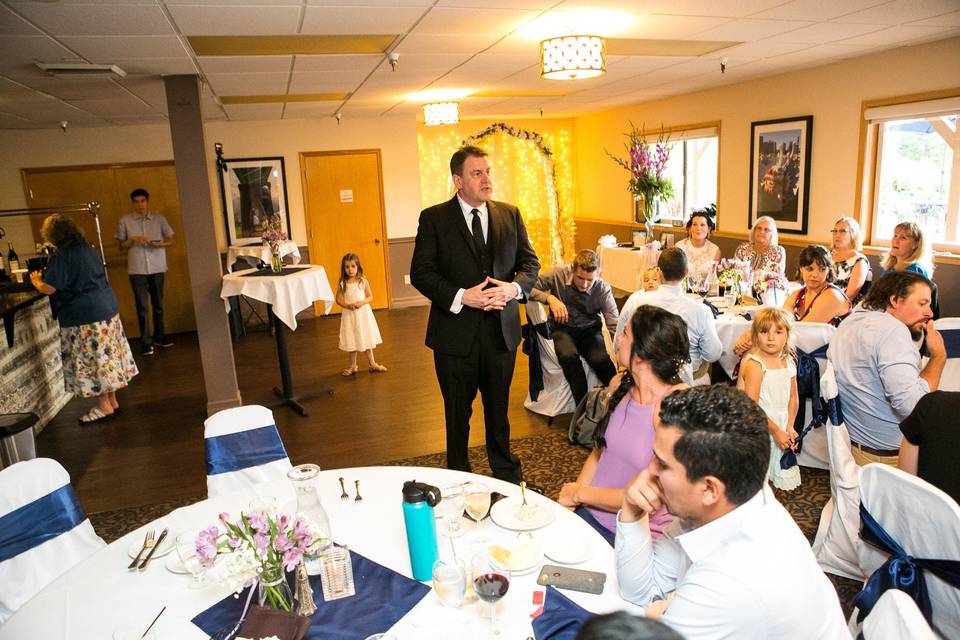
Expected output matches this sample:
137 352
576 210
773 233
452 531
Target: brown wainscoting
404 294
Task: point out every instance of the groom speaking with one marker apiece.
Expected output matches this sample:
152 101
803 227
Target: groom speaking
473 260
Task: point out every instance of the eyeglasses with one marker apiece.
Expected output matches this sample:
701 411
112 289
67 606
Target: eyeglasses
839 231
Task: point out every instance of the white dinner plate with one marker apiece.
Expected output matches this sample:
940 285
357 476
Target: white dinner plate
165 547
506 513
567 548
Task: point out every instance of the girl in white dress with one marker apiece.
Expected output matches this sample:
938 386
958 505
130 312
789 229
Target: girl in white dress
358 327
769 376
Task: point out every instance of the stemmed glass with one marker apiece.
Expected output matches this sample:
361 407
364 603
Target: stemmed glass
490 585
187 551
476 500
451 510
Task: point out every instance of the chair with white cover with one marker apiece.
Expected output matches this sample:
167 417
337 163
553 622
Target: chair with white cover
243 449
555 397
896 617
813 338
949 328
837 543
920 526
44 531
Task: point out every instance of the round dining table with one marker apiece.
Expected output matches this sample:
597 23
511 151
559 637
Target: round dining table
100 593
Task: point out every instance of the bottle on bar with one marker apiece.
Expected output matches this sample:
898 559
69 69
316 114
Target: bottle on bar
12 258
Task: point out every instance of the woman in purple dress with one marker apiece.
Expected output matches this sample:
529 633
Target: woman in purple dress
653 350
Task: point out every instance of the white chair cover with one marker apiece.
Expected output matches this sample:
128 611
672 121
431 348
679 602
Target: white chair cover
925 522
227 478
950 329
808 337
556 398
837 543
896 617
26 573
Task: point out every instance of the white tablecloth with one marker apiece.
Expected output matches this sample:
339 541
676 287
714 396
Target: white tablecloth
288 294
257 253
91 599
623 267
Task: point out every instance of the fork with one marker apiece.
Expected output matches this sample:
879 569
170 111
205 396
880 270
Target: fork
357 485
147 544
344 495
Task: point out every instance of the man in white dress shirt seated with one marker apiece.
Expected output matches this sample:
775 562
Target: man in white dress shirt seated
705 346
733 564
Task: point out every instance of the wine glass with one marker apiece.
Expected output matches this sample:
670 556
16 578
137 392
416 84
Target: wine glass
476 500
449 582
451 510
490 585
187 551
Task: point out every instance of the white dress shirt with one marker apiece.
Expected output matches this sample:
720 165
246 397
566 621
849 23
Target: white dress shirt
705 345
748 574
467 209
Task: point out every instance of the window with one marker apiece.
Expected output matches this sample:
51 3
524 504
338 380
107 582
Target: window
917 174
693 170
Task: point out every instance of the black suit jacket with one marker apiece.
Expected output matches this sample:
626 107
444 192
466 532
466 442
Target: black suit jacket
445 261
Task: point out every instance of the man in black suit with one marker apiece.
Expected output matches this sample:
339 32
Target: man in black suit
473 260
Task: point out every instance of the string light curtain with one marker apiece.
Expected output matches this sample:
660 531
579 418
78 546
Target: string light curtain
531 170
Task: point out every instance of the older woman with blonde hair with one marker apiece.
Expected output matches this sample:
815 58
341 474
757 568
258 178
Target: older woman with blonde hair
763 252
851 269
909 251
97 361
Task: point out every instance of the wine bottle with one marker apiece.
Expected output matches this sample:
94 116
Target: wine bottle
12 258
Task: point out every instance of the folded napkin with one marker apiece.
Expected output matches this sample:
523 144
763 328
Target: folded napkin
383 597
263 622
561 618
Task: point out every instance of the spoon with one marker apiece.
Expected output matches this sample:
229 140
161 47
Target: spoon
344 495
358 498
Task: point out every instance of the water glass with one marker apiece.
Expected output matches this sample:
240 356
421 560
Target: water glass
266 505
187 552
449 582
451 510
336 573
476 499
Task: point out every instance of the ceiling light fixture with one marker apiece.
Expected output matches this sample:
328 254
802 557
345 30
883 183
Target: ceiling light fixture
572 57
82 69
441 113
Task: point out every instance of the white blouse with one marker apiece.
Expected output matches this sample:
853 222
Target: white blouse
699 261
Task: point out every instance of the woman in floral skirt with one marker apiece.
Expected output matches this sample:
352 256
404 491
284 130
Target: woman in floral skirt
97 361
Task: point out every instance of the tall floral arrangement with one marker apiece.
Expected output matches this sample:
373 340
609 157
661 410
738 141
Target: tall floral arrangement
646 163
271 231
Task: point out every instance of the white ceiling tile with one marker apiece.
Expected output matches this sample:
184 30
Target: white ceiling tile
151 90
537 5
641 64
760 49
13 25
69 88
254 111
151 66
946 20
125 46
900 11
325 81
80 19
711 8
149 118
207 20
248 84
310 109
359 20
10 90
899 35
473 21
41 109
666 27
364 62
748 30
488 66
399 3
11 121
128 106
245 64
233 3
816 9
825 32
448 44
18 53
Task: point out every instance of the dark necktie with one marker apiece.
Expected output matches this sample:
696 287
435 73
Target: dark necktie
477 230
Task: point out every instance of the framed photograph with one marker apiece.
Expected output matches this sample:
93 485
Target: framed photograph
780 172
253 190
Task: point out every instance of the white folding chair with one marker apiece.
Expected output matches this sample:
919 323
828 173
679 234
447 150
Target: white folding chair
44 531
837 543
809 337
896 617
243 449
925 522
556 398
949 328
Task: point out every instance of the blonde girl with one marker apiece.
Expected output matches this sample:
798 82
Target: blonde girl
358 327
909 251
769 376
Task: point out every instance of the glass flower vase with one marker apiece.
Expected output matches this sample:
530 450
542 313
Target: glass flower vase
273 589
276 264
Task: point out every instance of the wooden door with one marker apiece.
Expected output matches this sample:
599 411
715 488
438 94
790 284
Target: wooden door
343 198
111 187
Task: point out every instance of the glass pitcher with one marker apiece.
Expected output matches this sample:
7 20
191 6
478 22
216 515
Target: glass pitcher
304 480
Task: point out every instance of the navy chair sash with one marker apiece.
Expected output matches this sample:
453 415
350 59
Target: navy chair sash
900 571
531 347
951 340
561 618
821 411
808 388
44 519
235 451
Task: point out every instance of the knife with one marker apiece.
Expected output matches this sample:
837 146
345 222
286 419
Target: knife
147 543
163 535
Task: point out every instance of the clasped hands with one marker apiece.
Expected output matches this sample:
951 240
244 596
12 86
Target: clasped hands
489 295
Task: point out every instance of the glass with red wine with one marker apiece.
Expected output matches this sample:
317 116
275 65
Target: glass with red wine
490 584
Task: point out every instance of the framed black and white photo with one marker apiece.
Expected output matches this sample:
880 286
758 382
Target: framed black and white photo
254 190
780 153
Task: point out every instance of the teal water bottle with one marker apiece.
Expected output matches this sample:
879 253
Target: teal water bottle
419 499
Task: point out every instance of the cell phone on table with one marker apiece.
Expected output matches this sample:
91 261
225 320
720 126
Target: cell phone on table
573 579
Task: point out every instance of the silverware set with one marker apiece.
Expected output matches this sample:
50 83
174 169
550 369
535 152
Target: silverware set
150 547
346 496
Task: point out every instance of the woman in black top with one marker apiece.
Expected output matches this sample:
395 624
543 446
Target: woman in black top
96 356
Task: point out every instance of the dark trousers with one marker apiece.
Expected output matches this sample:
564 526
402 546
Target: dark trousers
570 344
488 367
143 286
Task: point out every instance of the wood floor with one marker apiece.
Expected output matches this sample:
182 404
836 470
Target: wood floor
153 451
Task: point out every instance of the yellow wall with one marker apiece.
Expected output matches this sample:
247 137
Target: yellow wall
832 94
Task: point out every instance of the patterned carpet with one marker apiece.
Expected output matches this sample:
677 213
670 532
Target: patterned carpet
548 461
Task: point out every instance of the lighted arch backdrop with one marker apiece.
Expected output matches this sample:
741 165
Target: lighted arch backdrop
531 169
